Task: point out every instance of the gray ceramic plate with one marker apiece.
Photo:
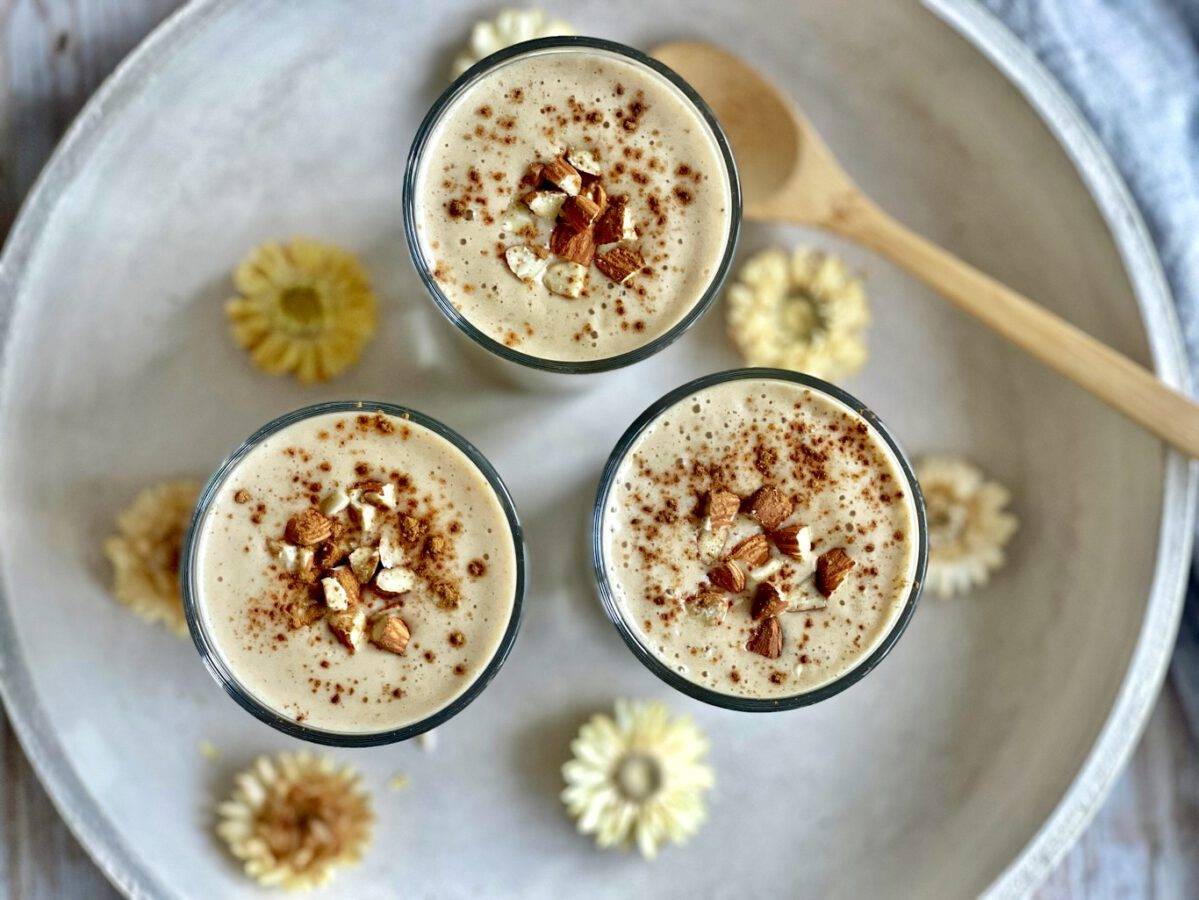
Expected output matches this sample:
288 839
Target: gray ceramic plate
967 762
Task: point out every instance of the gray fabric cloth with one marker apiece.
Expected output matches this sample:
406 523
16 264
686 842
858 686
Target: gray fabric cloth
1132 67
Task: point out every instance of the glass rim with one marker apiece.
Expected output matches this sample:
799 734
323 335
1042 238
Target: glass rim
416 156
206 646
612 606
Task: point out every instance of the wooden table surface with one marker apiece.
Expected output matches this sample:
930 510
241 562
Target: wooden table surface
53 53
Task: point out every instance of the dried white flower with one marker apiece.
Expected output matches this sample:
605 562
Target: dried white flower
510 27
807 313
638 778
968 527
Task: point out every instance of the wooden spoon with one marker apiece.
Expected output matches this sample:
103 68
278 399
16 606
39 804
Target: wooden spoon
788 174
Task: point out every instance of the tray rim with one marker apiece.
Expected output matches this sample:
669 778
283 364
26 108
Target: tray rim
119 862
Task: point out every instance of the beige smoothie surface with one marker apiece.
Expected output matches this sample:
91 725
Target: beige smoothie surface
327 533
573 204
760 538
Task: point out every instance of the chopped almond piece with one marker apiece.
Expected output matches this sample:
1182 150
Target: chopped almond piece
754 551
616 223
545 204
389 632
574 244
534 176
308 528
728 576
795 541
348 583
709 604
769 507
566 279
302 612
711 543
620 263
348 627
363 563
767 602
767 638
579 212
394 581
526 262
722 508
596 194
562 174
831 568
584 161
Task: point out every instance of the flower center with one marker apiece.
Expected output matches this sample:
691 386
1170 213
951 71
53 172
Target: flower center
302 305
638 777
803 314
946 518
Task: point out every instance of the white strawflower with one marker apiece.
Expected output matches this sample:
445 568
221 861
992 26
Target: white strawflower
638 778
968 526
510 27
808 313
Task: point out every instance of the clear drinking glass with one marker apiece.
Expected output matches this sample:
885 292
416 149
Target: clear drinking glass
219 667
523 367
632 636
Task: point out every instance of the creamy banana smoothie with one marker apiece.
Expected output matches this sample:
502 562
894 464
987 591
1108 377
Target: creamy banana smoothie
572 203
760 538
355 572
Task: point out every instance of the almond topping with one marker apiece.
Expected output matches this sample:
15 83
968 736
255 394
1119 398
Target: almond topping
620 263
767 602
584 161
722 508
348 627
574 244
545 204
616 223
769 507
363 563
579 212
391 554
308 528
795 541
711 543
728 576
831 569
334 502
302 612
596 194
533 177
389 632
394 581
767 638
709 604
384 497
526 262
342 587
566 279
564 175
753 551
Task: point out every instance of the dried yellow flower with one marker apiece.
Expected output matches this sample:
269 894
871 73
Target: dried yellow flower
294 819
305 308
146 549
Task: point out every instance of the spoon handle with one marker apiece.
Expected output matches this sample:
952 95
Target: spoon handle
1092 365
